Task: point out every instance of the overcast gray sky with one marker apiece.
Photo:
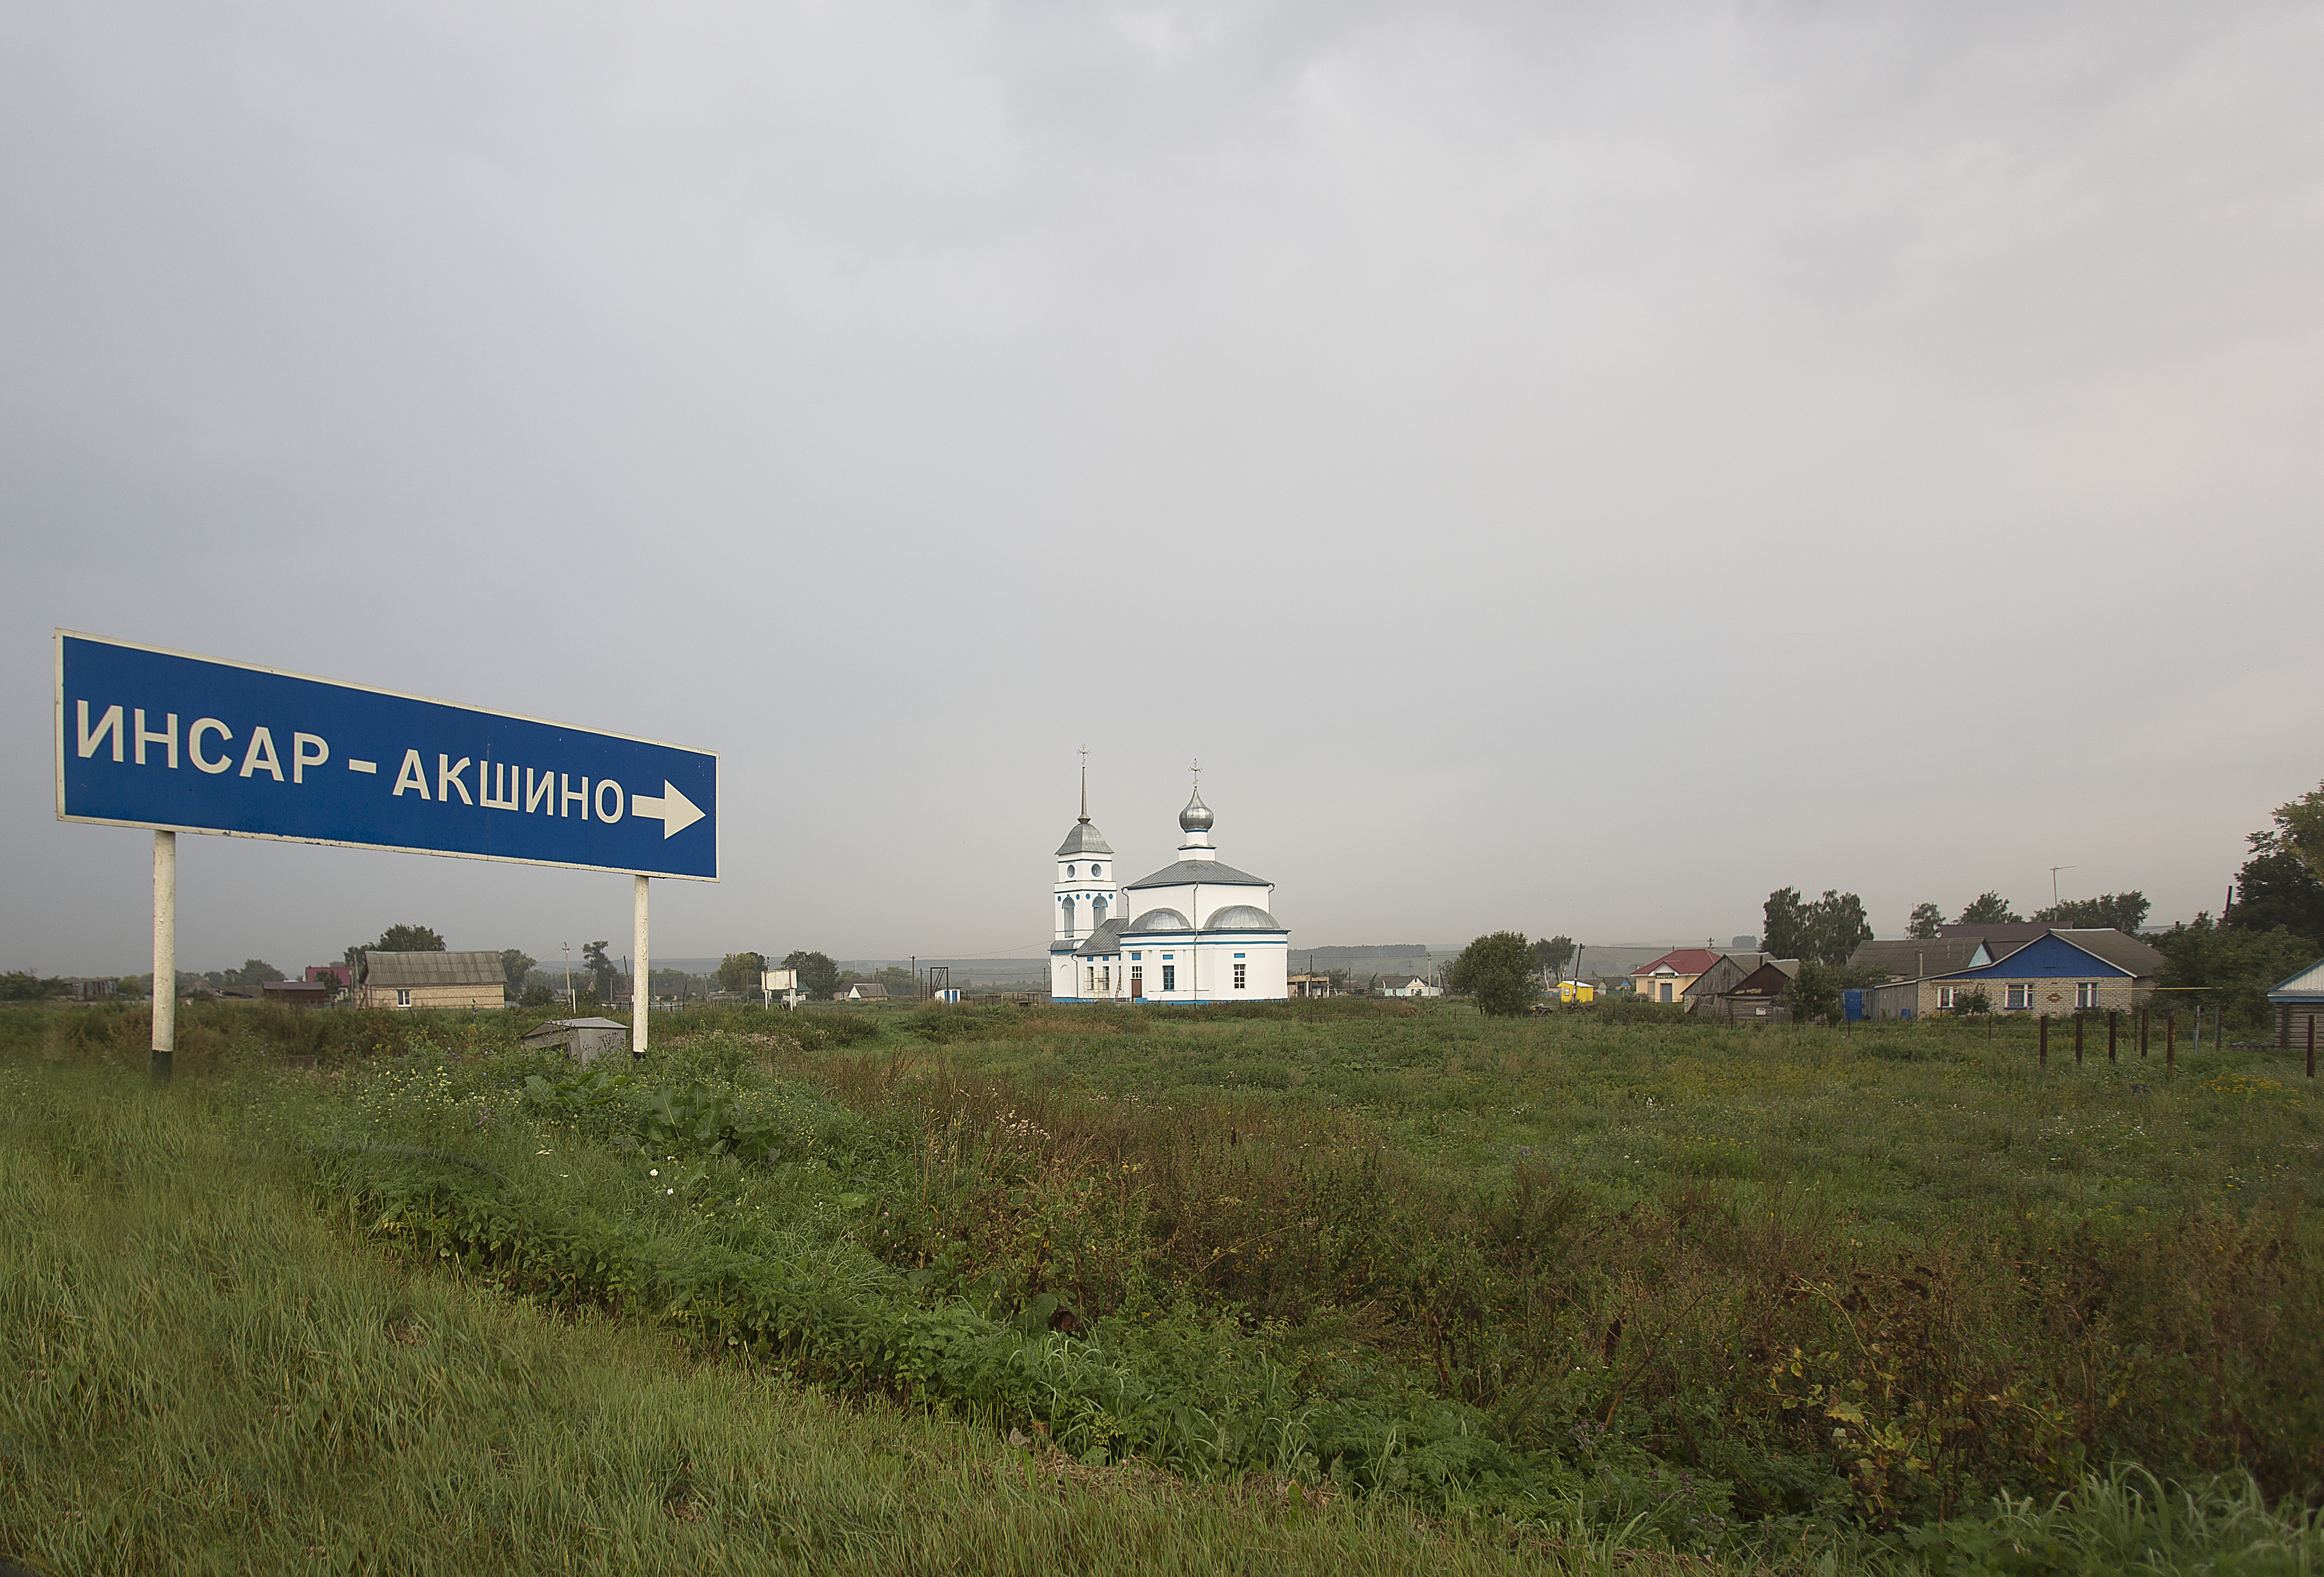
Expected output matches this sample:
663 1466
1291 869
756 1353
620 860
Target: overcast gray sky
1567 468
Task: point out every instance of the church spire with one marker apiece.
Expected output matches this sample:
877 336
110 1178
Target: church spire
1085 783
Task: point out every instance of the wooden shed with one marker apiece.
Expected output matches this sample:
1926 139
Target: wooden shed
2299 1003
430 980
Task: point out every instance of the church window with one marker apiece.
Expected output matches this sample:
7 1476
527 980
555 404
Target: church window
1097 870
1169 977
1239 980
1069 873
1097 912
1069 916
1136 957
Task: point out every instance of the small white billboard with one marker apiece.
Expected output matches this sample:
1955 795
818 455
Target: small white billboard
777 980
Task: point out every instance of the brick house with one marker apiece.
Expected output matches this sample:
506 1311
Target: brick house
2060 972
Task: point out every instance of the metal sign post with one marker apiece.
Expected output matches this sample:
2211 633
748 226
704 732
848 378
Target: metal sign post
151 738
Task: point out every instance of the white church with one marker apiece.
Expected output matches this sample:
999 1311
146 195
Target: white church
1195 931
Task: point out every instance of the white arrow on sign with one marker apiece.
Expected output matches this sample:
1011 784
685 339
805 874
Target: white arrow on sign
677 812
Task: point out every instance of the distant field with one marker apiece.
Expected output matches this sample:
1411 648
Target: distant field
1762 1294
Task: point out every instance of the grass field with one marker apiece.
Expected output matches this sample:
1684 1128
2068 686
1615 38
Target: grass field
1359 1287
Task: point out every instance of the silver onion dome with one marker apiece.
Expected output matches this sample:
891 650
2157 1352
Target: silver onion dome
1196 817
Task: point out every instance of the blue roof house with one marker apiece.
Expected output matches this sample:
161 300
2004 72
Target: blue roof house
2299 1003
2050 974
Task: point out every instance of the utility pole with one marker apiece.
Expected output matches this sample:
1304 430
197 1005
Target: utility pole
2054 882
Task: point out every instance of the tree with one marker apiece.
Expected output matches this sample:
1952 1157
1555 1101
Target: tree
253 972
2299 824
1784 930
1498 972
2229 968
1837 927
2120 911
1553 954
536 995
2275 888
1990 908
1813 993
899 981
739 972
604 978
819 976
1926 918
408 940
513 963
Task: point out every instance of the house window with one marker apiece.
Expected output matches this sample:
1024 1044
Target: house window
2020 994
1169 977
1945 996
403 996
1239 980
2085 994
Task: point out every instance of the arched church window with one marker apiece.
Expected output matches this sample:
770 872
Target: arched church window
1069 916
1097 913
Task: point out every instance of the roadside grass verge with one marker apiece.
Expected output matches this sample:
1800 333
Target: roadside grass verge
203 1376
1257 1286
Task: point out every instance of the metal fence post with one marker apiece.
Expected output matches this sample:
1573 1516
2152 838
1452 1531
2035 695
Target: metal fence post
2045 1039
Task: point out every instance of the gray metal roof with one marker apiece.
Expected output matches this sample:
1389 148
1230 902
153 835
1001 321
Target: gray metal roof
1242 917
1084 839
1158 920
1103 941
2306 986
2119 948
1915 958
1209 873
432 969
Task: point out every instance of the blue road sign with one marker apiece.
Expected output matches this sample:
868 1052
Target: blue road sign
158 739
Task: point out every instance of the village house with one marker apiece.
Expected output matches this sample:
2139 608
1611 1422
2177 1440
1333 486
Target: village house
1311 986
1407 985
861 990
1731 968
1759 997
2060 972
1664 979
1909 968
430 980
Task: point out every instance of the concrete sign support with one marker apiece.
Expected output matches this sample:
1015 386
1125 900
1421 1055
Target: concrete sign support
151 738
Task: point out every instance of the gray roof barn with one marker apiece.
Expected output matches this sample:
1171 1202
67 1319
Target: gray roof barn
431 969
